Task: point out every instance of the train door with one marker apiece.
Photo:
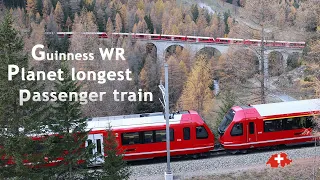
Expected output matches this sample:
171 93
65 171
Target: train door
97 140
251 132
186 142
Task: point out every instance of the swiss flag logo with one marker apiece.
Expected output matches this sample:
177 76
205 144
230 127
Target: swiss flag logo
279 159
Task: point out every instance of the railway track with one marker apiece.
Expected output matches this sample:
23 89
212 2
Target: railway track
217 152
218 162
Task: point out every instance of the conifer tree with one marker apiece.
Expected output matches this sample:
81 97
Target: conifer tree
114 167
67 121
17 121
228 99
59 15
109 26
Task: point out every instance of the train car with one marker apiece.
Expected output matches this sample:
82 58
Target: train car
155 36
269 43
61 34
229 41
167 37
268 125
179 38
140 36
102 35
237 41
253 42
144 136
296 44
192 39
280 44
206 40
223 40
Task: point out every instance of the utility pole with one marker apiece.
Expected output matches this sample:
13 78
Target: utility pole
263 72
165 94
168 174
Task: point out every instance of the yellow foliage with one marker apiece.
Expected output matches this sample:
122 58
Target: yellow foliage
196 94
159 7
58 12
88 2
140 5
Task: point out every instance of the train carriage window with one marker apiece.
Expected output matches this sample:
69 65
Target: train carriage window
130 138
148 137
251 127
307 122
99 146
186 133
201 132
90 149
287 123
297 122
273 125
237 129
227 119
161 135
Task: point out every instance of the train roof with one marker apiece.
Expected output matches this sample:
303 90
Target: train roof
130 121
202 37
230 39
298 42
290 107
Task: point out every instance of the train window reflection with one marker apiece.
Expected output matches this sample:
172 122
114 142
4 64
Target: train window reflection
226 120
237 129
201 132
148 137
130 138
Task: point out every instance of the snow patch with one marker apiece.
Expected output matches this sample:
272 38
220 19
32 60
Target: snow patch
203 5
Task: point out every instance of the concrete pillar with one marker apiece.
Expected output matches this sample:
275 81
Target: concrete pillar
285 60
161 48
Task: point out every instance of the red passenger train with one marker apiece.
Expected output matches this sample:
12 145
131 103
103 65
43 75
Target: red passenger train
266 125
183 38
144 136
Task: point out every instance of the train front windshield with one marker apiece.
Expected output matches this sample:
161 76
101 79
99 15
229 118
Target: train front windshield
227 119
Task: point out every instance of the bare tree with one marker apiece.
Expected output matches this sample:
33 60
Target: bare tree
260 15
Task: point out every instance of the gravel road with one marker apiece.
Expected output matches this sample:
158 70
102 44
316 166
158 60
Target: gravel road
183 169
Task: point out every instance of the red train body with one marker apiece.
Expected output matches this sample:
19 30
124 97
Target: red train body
181 38
268 125
144 136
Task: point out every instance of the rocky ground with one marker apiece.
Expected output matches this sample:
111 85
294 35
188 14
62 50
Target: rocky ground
301 169
228 166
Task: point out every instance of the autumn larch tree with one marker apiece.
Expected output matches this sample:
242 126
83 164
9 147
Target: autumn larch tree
197 93
59 15
31 8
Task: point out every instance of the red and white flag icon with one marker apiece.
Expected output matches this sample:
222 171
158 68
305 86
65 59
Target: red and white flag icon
279 159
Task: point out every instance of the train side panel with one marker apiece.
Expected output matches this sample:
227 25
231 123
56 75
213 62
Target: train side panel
191 136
